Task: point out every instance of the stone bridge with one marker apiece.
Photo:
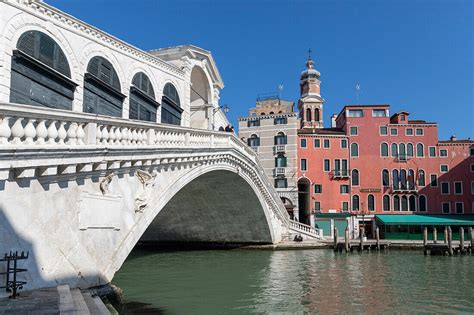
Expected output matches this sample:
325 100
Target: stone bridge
79 190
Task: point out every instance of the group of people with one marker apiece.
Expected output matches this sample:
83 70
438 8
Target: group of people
229 128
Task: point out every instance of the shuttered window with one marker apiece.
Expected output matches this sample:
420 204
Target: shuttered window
170 106
142 99
102 89
40 73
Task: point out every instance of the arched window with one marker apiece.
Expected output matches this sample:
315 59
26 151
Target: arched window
404 203
411 180
395 180
253 141
386 203
280 138
385 178
402 151
383 149
271 113
371 202
409 150
355 178
422 203
396 203
102 89
355 203
412 203
354 150
316 114
403 179
142 99
394 150
40 73
421 178
419 150
280 161
308 114
170 106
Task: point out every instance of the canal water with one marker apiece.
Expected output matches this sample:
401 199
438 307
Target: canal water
295 282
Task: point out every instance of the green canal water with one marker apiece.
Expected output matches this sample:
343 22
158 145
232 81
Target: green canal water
295 282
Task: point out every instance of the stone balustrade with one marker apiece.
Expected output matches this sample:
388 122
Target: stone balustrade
303 228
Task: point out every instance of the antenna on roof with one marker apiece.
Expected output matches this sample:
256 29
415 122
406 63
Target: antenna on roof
280 88
357 92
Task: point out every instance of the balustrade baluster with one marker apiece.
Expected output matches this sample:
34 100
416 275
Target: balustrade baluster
30 131
62 134
17 131
139 136
105 135
112 135
41 132
134 136
130 136
72 134
5 131
80 134
52 132
125 136
98 134
118 135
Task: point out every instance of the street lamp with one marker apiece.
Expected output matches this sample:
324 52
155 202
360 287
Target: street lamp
225 108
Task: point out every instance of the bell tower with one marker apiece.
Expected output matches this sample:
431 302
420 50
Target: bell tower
310 104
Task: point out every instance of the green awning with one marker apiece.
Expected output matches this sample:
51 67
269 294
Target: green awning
425 219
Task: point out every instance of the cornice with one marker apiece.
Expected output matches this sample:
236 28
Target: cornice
245 118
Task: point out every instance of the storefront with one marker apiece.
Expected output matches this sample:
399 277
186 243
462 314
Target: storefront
327 222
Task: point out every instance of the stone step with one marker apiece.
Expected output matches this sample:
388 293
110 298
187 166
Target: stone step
66 303
80 305
95 304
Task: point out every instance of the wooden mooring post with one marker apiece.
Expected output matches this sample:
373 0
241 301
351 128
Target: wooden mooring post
471 233
361 245
461 240
445 234
346 239
377 237
335 238
450 241
435 235
425 240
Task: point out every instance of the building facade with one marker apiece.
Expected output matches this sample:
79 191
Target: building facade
271 131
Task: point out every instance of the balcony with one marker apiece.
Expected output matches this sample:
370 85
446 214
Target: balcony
340 174
279 171
402 158
279 148
404 190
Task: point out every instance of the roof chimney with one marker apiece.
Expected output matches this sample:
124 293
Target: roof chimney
333 120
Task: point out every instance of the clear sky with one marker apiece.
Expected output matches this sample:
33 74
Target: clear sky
416 55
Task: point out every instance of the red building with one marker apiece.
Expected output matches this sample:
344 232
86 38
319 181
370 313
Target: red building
370 164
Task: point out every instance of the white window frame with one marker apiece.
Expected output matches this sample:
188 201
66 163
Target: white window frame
388 150
449 208
314 189
429 152
416 150
350 150
356 130
314 142
389 203
301 165
406 132
301 143
380 131
348 206
340 188
329 141
441 188
456 209
437 180
441 171
443 156
324 165
455 188
422 132
472 168
396 131
347 143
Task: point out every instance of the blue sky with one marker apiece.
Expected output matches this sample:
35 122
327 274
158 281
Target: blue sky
416 55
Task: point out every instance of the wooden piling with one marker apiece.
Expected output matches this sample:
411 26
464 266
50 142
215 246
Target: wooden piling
445 234
377 237
435 235
335 238
461 240
450 241
471 232
425 236
346 239
362 232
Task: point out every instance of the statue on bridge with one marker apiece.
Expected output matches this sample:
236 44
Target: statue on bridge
143 196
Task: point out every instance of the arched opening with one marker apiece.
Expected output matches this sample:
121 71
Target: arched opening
316 114
289 206
102 89
253 141
216 207
201 107
170 106
308 114
40 73
143 105
280 138
304 204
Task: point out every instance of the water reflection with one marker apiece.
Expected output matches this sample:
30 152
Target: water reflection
298 282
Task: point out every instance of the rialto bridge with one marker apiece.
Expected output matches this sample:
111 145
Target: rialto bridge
103 145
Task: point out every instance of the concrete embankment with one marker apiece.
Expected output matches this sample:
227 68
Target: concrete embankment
329 244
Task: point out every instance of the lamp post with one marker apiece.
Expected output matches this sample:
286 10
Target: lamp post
225 108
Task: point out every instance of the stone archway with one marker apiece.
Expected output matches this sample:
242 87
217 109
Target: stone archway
201 103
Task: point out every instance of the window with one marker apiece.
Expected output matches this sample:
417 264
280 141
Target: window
402 117
409 131
432 151
446 207
371 202
471 151
40 73
355 203
355 113
326 143
318 188
472 167
421 178
253 123
472 189
379 113
353 131
253 141
170 106
317 206
404 201
386 203
394 150
383 130
459 207
434 180
393 131
384 149
280 161
304 165
411 180
317 143
443 168
344 189
280 139
443 153
419 150
445 188
402 152
280 121
422 203
385 178
458 188
345 206
281 183
412 203
343 143
303 143
142 99
316 115
396 203
403 179
395 180
355 178
410 150
419 131
308 114
354 150
327 165
344 168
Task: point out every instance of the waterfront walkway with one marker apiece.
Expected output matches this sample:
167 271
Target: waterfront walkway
56 300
